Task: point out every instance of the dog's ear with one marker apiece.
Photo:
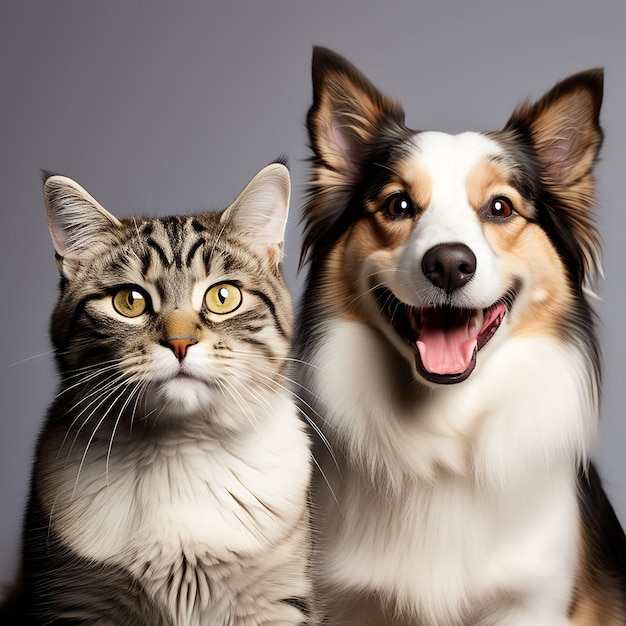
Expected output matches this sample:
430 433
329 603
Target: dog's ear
346 121
347 113
563 128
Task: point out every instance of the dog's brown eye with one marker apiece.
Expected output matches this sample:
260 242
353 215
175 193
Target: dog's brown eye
398 206
500 207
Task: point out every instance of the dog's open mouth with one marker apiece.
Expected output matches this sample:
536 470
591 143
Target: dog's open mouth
445 339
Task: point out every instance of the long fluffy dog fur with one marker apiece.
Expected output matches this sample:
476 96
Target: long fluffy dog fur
447 344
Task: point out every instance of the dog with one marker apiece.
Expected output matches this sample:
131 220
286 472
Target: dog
446 344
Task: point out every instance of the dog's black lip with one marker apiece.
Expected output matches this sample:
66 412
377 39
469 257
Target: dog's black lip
445 379
394 309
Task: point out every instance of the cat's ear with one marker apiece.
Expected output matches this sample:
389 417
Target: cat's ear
77 222
260 212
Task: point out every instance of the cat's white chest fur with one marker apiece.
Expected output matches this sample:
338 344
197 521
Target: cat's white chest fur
159 498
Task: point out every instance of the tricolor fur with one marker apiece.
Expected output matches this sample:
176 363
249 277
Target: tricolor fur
448 345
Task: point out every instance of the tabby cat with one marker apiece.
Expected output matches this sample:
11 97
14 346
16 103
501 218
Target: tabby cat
171 474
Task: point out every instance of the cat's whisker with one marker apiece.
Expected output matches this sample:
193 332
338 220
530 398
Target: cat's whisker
250 389
102 366
297 383
293 381
31 358
121 412
263 404
266 380
99 389
157 411
93 434
311 422
111 377
284 377
228 386
86 379
328 484
143 385
109 390
56 497
287 389
84 375
78 371
321 435
286 359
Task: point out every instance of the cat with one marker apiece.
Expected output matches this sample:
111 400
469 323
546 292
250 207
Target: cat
171 475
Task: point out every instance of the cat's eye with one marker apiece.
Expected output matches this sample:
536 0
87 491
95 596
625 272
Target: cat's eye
130 302
223 298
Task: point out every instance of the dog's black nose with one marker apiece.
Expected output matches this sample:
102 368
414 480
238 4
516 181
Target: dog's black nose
449 265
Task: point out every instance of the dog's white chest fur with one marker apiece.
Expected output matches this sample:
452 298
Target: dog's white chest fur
470 494
447 552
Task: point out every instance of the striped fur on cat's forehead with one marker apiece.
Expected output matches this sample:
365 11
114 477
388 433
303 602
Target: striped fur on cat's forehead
81 229
174 252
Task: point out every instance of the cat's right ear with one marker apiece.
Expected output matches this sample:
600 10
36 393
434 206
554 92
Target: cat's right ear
77 223
260 212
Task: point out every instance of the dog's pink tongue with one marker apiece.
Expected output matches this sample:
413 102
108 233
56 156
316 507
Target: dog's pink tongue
448 347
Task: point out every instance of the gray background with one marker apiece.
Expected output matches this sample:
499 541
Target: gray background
161 108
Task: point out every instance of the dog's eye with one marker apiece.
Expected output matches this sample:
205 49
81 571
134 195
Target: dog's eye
500 207
398 206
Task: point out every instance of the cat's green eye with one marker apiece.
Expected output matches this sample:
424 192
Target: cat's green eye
223 298
130 302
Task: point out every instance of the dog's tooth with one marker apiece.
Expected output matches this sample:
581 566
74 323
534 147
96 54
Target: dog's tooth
476 323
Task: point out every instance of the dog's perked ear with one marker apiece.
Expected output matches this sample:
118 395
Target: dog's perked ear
563 128
347 120
347 113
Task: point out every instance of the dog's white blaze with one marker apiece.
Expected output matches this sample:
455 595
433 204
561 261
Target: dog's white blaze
448 160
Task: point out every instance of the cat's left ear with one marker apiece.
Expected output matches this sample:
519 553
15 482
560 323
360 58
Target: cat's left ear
260 212
79 226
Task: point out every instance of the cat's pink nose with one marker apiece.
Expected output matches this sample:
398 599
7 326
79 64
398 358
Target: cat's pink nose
179 345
